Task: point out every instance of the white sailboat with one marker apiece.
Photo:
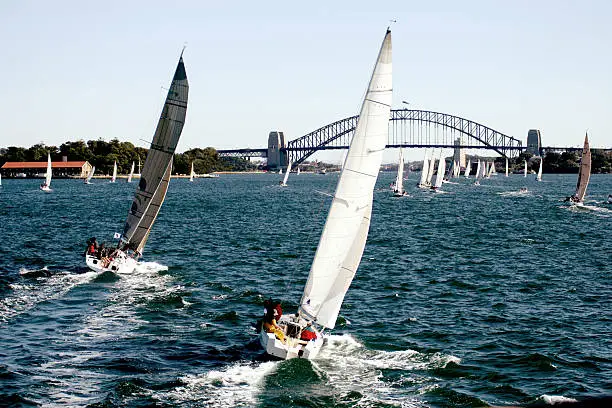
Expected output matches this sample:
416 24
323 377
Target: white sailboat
539 176
90 175
284 182
129 179
0 179
192 173
399 179
153 182
506 167
424 171
491 170
46 185
525 175
468 168
298 171
114 177
344 236
584 175
439 175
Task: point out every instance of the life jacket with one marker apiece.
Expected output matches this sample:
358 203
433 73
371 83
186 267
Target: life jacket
308 335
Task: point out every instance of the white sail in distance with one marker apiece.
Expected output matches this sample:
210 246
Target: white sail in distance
114 177
478 170
584 172
424 170
346 228
539 176
144 208
287 174
440 175
468 168
192 173
506 167
129 179
399 179
525 168
49 172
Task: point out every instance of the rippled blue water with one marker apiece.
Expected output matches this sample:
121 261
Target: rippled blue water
477 296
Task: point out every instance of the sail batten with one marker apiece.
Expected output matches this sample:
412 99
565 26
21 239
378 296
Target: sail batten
345 232
155 173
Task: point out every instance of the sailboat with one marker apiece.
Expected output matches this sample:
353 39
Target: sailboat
284 182
192 174
539 176
440 175
0 179
90 175
525 175
114 177
424 171
46 186
584 174
129 179
298 171
399 179
346 229
153 184
477 182
506 167
468 168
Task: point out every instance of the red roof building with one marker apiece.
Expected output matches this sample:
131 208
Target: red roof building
38 169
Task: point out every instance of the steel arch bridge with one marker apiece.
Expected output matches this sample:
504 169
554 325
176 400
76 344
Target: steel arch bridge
409 128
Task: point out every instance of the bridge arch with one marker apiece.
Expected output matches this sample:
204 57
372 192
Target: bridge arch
408 128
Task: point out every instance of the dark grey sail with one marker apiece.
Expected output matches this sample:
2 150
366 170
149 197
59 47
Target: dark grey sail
147 201
584 173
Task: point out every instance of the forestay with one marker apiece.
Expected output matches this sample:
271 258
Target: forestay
147 200
346 228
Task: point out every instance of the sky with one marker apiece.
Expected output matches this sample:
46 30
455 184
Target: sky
87 70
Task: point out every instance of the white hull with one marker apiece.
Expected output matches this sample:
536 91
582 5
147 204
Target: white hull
293 347
121 264
45 188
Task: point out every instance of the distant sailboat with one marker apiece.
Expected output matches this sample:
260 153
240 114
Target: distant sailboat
192 173
584 174
525 175
0 179
539 176
439 175
424 171
90 175
506 167
468 168
298 171
114 178
477 182
284 182
153 183
346 229
129 179
399 179
46 186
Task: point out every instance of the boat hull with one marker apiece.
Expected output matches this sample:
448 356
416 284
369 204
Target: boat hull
121 264
292 347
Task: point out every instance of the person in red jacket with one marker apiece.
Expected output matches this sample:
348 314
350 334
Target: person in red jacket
308 333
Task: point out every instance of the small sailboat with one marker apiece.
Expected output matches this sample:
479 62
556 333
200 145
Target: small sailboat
114 177
424 171
298 171
192 173
129 179
539 176
399 179
153 183
90 175
525 175
346 229
440 175
506 167
284 182
46 185
468 168
477 182
584 174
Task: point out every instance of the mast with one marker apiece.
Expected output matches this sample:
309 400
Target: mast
346 229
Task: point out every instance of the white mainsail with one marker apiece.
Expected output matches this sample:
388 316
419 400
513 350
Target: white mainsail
192 174
0 179
539 176
424 170
525 168
468 168
49 171
129 179
91 173
430 170
298 171
478 170
157 167
440 175
114 172
506 167
491 170
284 183
346 228
399 179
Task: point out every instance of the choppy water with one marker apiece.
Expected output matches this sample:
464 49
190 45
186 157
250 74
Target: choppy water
478 296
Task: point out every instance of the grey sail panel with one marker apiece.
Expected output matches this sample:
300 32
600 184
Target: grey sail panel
158 160
584 173
144 228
